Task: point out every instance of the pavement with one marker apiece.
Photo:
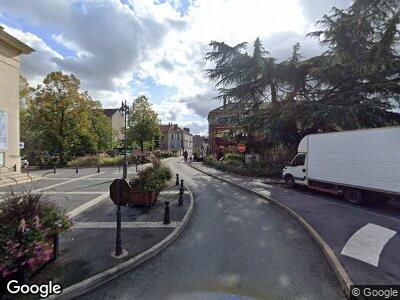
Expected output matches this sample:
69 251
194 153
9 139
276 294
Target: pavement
363 238
236 246
86 250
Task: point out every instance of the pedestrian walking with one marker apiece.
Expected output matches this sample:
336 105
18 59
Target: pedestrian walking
185 155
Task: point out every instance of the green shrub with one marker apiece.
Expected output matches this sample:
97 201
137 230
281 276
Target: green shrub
84 161
46 162
210 161
106 160
111 161
233 157
258 169
162 154
151 179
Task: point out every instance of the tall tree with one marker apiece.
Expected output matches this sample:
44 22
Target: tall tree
65 121
354 83
357 79
143 125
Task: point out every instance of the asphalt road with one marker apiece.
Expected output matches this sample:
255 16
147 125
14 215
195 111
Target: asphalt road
237 246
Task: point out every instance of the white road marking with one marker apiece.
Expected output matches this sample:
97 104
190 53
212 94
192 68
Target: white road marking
68 178
172 192
85 206
367 243
68 193
65 182
105 225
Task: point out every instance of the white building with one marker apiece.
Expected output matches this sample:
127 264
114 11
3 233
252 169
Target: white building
176 139
10 50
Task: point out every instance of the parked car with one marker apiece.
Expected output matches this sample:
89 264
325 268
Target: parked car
356 164
24 163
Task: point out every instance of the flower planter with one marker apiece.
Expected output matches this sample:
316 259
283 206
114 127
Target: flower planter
142 199
26 271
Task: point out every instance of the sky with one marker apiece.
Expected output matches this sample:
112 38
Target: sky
121 49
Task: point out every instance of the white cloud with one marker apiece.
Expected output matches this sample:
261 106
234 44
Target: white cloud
118 44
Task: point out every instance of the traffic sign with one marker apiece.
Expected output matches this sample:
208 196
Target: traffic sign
120 192
241 148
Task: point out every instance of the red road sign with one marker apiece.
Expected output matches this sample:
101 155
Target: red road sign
241 148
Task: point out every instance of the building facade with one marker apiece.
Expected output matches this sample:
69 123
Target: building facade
10 50
117 121
220 121
200 145
176 139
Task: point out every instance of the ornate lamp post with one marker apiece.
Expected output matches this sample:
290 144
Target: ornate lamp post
125 112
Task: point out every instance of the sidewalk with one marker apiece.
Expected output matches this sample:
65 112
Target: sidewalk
364 242
86 262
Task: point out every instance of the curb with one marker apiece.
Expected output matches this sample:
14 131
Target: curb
99 279
341 274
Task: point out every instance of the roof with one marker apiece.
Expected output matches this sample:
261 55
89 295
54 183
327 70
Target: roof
168 127
109 112
165 128
14 43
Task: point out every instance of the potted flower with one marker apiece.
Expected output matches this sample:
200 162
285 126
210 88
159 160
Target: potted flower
29 232
148 184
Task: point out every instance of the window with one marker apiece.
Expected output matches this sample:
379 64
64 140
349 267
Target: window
299 160
178 136
172 136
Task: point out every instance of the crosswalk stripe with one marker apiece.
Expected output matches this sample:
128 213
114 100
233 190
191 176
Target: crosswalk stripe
367 243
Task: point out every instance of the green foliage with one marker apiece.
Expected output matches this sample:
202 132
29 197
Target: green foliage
60 120
258 169
143 124
28 223
163 154
354 84
46 162
151 179
106 160
233 157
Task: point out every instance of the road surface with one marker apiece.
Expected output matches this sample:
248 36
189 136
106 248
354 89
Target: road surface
236 246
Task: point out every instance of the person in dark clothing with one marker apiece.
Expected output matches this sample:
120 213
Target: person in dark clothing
185 155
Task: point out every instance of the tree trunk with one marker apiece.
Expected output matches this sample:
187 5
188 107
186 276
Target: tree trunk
141 147
273 93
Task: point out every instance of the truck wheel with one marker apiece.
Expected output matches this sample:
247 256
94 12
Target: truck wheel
353 196
290 183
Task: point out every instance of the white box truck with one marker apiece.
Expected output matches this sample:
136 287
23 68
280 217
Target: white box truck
358 164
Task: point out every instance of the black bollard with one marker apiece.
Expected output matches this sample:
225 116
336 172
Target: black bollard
98 168
182 183
177 179
136 166
166 214
180 200
54 170
56 247
15 168
77 169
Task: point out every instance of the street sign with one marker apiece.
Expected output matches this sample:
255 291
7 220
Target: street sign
241 148
120 192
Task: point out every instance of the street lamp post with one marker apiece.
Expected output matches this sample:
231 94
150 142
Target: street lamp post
124 111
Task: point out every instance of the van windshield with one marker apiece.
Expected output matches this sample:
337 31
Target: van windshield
299 160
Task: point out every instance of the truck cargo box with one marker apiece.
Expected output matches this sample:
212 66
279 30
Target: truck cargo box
368 159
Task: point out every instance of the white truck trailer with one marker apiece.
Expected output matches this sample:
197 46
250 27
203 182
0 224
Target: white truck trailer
358 164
